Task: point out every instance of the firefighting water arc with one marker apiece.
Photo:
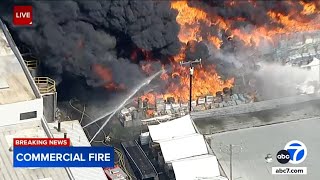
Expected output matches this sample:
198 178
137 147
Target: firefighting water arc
115 45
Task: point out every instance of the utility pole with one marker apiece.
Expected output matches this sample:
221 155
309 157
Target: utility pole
191 65
319 69
190 93
230 149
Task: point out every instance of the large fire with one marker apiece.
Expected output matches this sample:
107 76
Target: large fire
206 79
192 20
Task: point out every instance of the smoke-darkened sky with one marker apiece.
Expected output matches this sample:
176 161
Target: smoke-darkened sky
72 36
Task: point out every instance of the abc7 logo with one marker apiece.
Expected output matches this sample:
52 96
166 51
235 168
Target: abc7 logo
294 152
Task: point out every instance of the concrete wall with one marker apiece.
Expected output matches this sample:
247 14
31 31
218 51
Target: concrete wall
253 107
10 113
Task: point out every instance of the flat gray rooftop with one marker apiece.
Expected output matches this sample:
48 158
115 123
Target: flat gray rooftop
14 85
24 130
254 107
293 112
78 138
253 145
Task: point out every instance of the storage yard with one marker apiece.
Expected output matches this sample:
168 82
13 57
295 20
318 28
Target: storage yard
183 90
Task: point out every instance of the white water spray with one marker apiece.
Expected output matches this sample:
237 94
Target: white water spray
144 83
98 119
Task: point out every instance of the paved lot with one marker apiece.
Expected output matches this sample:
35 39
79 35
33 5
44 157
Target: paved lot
255 107
295 112
254 144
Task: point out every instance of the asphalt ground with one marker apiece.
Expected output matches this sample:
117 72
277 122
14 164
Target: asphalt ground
211 125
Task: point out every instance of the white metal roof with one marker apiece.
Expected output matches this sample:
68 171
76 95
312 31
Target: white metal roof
199 167
175 128
5 49
183 147
15 85
27 130
78 138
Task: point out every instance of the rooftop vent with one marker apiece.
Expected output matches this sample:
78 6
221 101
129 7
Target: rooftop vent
45 178
3 83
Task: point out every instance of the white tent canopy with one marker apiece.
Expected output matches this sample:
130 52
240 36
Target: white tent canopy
176 128
183 147
199 167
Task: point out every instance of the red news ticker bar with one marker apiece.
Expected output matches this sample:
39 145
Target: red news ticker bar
41 142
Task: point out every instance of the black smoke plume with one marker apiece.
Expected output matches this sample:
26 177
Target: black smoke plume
72 36
196 50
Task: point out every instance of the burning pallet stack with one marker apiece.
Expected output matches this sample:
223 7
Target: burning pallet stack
132 116
224 98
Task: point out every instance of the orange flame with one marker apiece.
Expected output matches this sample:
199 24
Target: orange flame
164 76
206 80
150 97
309 8
147 68
106 75
189 19
150 113
215 41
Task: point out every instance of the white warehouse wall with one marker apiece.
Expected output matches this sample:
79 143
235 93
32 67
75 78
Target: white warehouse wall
315 69
10 113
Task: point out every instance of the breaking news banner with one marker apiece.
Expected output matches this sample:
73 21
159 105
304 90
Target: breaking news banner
57 152
27 142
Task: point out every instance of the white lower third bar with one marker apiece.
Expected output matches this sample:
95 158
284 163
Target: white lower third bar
289 170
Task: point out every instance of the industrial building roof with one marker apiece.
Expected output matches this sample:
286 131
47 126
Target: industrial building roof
14 85
139 160
21 130
78 138
175 128
205 166
252 145
186 149
183 147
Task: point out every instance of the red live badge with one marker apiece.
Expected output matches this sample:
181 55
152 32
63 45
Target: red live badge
22 15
